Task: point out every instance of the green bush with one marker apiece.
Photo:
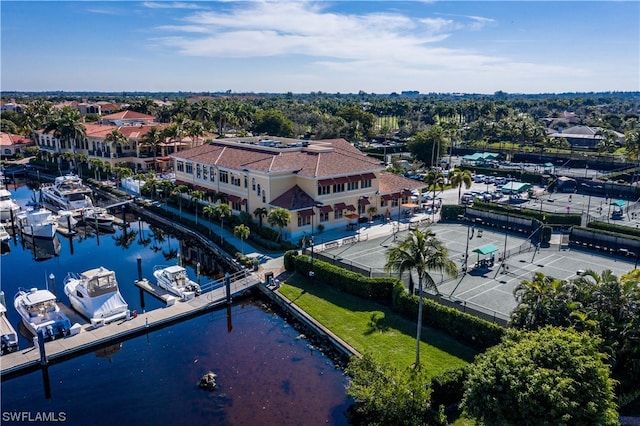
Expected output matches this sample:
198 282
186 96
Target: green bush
379 289
289 260
448 388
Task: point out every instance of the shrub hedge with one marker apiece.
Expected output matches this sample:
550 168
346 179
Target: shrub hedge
617 229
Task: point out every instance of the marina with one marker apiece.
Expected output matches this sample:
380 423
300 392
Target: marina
92 335
124 363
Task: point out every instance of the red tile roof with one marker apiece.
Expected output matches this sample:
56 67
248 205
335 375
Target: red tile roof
128 115
9 139
342 159
395 184
294 199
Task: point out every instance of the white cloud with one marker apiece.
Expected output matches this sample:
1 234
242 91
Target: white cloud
346 49
171 5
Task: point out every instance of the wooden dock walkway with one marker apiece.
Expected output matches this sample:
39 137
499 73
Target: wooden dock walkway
90 337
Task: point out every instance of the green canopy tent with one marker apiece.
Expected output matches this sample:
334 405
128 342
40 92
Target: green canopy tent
485 250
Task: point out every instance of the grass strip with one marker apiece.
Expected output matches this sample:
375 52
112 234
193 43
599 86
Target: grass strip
373 328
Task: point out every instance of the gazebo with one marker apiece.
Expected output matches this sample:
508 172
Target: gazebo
485 250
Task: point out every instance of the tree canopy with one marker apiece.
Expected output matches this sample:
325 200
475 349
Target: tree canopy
548 377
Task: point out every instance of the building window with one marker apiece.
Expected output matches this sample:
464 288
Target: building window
246 181
383 202
236 205
352 186
366 183
180 166
235 180
264 198
337 214
253 184
338 187
324 216
259 190
212 174
361 208
224 176
189 168
198 172
302 221
394 202
324 190
205 171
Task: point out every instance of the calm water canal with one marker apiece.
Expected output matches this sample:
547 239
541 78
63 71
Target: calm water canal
267 374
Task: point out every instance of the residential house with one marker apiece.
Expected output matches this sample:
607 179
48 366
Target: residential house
11 144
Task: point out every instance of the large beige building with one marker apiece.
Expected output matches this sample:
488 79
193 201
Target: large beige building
327 182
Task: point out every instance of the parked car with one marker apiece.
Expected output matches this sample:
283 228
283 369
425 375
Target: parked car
478 178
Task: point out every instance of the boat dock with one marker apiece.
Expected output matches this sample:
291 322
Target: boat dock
92 337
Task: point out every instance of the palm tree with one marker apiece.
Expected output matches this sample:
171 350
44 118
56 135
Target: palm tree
209 212
459 177
222 210
152 139
372 210
114 138
422 253
194 130
279 217
259 213
96 164
177 192
195 197
67 128
242 231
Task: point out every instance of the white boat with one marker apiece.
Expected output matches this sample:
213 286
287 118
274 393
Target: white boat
175 280
4 234
95 294
67 193
8 335
37 222
39 311
98 216
66 219
8 206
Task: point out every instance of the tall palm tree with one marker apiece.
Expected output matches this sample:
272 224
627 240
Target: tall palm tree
67 127
279 217
260 212
177 192
222 210
114 138
242 231
153 138
196 196
459 177
422 253
194 129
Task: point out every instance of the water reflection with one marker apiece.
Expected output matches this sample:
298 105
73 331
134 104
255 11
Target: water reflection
40 248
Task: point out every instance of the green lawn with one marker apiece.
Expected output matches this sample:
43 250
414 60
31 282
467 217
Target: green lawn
373 328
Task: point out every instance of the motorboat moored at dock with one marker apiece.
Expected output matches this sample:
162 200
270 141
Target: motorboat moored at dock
40 312
68 192
37 222
8 335
95 294
175 280
98 217
5 236
8 206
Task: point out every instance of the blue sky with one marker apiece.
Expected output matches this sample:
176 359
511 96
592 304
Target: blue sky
306 46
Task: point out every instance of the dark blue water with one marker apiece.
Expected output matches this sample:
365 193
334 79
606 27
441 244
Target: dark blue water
266 374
